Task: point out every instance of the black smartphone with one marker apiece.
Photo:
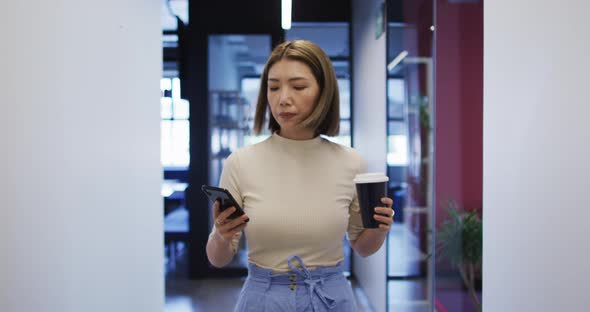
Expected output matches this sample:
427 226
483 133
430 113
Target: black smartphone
225 199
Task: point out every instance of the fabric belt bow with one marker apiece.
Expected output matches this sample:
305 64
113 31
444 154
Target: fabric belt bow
313 285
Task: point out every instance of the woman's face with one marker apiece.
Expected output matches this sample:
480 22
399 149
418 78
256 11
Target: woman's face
293 93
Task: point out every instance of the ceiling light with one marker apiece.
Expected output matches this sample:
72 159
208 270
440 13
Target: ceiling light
286 8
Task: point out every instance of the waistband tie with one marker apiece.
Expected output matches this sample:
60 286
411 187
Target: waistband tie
313 285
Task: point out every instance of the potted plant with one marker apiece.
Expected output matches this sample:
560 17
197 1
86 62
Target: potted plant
459 241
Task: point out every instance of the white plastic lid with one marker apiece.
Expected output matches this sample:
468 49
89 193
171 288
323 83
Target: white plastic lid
373 177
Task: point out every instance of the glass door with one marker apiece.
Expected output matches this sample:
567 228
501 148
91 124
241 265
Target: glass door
410 154
234 69
174 141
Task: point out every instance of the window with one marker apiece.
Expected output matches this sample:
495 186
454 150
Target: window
397 132
174 125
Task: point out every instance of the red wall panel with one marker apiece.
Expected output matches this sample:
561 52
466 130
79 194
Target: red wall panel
459 104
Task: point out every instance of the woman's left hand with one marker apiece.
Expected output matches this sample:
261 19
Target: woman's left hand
385 214
371 239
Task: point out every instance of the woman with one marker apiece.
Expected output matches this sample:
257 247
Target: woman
297 191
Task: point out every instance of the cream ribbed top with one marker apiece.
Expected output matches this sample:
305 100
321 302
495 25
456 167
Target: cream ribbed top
299 196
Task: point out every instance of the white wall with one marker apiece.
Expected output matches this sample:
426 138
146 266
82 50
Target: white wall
536 156
369 133
80 204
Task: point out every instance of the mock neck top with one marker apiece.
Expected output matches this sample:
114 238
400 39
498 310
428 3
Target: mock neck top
295 145
300 198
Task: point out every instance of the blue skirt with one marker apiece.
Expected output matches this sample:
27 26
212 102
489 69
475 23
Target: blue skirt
301 290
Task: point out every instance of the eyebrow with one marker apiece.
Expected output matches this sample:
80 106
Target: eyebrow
290 79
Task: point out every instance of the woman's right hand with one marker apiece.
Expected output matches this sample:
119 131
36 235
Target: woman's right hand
225 227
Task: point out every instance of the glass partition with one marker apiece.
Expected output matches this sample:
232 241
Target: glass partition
235 65
174 139
459 155
410 154
435 248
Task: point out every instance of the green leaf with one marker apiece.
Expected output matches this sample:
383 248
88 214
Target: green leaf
459 239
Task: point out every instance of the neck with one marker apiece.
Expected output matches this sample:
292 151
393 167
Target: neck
297 135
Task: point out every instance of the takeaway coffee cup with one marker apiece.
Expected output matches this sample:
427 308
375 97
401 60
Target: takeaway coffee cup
370 188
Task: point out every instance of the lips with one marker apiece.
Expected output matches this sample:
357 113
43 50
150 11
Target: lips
286 116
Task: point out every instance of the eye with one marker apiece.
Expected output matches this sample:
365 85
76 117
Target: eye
299 88
273 88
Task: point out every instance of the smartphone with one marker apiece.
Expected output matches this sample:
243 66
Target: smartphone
225 199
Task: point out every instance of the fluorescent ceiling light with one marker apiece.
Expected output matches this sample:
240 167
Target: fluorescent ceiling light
400 57
286 8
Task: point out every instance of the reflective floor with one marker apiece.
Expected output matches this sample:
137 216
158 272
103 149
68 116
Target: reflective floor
408 293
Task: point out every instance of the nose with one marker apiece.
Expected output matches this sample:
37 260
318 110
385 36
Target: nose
285 97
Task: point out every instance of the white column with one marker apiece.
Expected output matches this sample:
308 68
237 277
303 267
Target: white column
80 204
369 133
536 254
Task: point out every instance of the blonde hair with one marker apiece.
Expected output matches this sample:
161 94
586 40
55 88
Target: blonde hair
325 118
